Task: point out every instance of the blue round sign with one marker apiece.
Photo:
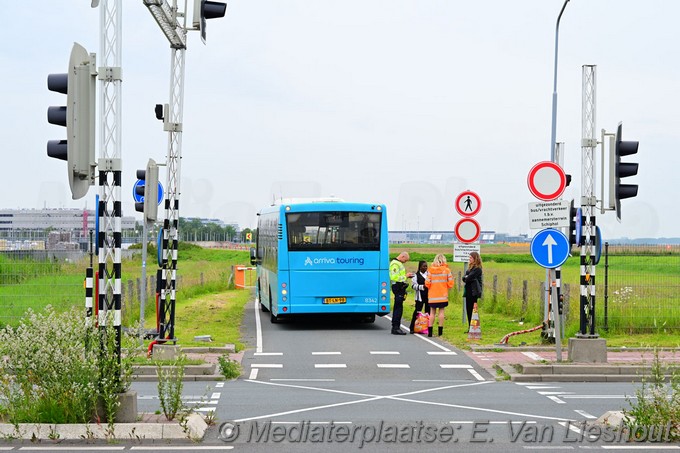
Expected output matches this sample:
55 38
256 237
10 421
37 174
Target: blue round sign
550 248
579 226
140 198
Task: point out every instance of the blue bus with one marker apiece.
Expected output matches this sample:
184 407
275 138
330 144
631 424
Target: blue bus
322 257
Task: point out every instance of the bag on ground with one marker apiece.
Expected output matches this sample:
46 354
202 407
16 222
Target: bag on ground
422 323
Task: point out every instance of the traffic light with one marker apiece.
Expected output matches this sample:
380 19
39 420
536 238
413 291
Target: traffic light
574 232
149 190
78 116
204 10
618 170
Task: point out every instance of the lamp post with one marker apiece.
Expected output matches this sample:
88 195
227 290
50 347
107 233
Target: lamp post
554 96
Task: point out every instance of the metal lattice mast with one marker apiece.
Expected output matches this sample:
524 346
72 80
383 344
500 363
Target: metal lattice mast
588 201
171 222
109 165
172 22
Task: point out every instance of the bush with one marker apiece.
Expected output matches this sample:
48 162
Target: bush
54 370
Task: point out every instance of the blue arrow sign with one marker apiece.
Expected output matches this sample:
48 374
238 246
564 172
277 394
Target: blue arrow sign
140 198
550 248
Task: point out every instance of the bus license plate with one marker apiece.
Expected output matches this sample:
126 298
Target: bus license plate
335 300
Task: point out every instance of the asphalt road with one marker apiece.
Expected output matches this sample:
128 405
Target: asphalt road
332 384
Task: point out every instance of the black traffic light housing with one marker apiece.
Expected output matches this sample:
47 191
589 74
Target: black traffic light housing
575 237
618 170
149 190
78 116
203 10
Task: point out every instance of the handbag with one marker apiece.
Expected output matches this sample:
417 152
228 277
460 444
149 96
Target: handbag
422 323
478 287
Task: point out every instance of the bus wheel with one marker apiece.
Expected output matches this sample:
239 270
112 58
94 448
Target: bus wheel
272 317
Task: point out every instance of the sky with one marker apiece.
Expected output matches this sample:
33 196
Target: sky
402 102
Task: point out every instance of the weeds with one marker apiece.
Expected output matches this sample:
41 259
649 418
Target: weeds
170 386
657 401
230 369
56 369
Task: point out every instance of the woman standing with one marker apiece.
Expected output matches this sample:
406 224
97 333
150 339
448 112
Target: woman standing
473 284
438 282
418 284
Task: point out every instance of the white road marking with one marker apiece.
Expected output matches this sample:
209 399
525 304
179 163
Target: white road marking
253 373
533 356
364 398
327 353
393 365
476 375
384 352
330 365
302 380
219 385
216 396
268 353
442 353
453 365
556 399
584 414
258 327
266 365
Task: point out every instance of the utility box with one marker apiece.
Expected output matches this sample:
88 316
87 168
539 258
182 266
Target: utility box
244 276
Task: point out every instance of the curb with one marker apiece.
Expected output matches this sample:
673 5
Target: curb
194 429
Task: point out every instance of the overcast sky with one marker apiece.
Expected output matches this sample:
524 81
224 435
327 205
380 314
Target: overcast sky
403 102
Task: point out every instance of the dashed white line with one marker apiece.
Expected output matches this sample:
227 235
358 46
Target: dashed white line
442 353
393 365
326 353
215 396
453 365
267 353
330 365
266 365
219 385
556 399
384 352
302 380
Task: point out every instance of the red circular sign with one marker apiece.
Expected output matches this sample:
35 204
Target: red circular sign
467 230
546 181
468 204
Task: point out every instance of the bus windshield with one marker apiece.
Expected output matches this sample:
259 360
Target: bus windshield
333 231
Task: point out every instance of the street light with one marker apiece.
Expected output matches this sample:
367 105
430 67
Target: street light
554 96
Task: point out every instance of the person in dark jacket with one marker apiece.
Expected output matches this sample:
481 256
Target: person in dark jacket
473 284
418 285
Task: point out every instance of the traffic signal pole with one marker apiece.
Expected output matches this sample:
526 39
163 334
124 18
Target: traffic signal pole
588 203
173 24
110 165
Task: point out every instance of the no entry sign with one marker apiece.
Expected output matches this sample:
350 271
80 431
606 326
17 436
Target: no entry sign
546 181
467 230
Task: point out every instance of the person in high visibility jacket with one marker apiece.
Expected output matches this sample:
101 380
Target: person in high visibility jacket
398 277
438 282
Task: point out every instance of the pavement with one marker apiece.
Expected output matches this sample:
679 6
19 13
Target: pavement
541 364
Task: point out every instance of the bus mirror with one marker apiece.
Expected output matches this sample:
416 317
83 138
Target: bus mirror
253 256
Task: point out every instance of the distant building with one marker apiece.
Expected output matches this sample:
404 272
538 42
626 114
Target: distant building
54 229
435 237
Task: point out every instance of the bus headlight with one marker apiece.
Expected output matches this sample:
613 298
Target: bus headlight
284 292
384 291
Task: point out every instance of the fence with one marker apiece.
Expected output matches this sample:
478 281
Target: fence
638 288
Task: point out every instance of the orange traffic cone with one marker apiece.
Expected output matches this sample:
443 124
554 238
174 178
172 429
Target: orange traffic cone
475 332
